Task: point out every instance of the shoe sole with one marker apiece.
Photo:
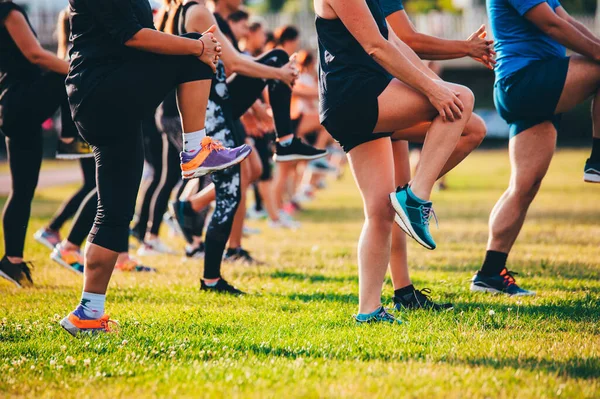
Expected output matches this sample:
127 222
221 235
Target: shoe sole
64 264
591 178
43 241
69 327
201 171
405 222
7 277
73 156
490 290
297 157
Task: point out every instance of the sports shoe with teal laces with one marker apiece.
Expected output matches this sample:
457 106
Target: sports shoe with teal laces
413 215
378 316
591 172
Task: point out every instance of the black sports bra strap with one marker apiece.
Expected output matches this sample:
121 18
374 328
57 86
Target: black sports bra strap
181 22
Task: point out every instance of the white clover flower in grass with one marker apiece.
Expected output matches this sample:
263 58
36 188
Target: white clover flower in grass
63 348
70 360
124 342
491 312
87 362
52 362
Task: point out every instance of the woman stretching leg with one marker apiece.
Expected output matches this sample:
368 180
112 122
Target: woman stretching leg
369 88
150 65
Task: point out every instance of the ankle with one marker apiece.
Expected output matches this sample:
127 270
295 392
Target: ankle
420 192
15 259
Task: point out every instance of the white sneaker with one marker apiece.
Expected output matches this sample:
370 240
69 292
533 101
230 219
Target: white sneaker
282 223
156 246
253 214
146 250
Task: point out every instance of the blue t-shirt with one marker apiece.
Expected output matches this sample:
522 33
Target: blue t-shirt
518 41
390 6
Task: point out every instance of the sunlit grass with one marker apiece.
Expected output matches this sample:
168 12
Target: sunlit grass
294 335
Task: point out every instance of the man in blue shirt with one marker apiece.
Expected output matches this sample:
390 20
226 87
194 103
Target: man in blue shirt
535 83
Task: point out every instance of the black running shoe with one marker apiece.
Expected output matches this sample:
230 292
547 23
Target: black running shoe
503 283
297 150
195 251
76 149
240 255
185 217
17 273
222 287
419 299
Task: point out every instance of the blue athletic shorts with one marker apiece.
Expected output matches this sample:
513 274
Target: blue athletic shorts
529 96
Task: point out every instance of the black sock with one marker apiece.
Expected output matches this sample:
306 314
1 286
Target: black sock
409 289
595 156
494 263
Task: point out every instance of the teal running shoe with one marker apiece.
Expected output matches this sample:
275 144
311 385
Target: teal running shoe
413 215
378 316
591 172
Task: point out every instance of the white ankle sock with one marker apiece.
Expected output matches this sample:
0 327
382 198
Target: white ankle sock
93 304
193 141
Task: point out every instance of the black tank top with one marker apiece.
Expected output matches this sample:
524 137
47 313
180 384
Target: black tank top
345 68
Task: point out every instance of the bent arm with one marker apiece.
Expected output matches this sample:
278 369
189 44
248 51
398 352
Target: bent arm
157 42
18 28
428 47
199 18
562 31
561 12
357 18
410 54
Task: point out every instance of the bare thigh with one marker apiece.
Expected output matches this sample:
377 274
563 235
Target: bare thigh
374 158
401 162
583 80
402 107
530 154
417 133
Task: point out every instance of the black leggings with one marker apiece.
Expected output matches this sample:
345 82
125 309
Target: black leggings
23 108
84 219
153 156
69 208
110 120
243 92
167 180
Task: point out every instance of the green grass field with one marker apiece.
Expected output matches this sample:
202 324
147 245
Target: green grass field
294 335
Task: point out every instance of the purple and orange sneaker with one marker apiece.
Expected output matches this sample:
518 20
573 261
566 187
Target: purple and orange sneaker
77 322
47 237
211 158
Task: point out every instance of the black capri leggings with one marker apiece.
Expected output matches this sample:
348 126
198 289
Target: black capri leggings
23 108
70 206
110 120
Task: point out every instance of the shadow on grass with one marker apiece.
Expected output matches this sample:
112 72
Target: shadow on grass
313 278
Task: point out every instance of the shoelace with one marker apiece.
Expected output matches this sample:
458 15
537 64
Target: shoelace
428 212
423 295
384 315
508 276
110 326
212 145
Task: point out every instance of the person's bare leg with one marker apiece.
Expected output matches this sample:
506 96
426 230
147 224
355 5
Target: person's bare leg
371 159
469 140
401 107
399 254
192 99
203 198
266 192
530 155
99 265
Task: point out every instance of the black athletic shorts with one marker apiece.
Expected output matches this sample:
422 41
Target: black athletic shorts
352 123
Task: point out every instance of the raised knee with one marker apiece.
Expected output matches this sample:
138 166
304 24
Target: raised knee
477 130
467 97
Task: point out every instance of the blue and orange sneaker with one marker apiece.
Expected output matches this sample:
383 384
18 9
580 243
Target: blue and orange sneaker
132 265
77 323
47 237
70 259
211 158
413 215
